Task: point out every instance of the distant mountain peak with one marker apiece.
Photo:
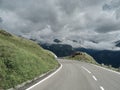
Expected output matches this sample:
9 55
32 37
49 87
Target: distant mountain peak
57 41
117 43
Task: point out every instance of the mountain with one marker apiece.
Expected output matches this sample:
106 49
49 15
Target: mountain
107 57
22 60
82 56
57 41
117 43
59 49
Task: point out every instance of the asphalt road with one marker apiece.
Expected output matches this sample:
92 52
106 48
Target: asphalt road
75 75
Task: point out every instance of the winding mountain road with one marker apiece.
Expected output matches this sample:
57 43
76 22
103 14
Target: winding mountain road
76 75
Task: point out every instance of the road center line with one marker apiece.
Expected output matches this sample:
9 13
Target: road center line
94 78
86 69
102 88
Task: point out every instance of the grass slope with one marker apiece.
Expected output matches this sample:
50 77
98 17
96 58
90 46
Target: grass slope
21 60
81 56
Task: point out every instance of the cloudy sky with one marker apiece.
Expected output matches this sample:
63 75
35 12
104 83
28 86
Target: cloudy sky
93 23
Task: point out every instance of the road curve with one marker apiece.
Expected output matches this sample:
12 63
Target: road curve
75 75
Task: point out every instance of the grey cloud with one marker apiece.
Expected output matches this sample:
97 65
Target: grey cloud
1 20
106 7
69 6
118 14
33 13
39 12
113 5
45 20
108 27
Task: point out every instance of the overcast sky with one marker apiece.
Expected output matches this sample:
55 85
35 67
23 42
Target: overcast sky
93 23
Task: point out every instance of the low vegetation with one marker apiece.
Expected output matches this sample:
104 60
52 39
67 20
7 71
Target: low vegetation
110 67
81 56
84 57
22 60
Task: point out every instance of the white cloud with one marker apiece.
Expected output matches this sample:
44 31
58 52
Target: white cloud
87 21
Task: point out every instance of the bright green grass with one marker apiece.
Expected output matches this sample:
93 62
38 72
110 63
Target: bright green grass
22 60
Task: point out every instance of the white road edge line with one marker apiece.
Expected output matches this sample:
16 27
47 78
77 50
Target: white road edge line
86 69
46 77
107 69
94 78
102 88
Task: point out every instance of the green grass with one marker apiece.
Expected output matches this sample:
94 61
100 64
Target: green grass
22 60
82 57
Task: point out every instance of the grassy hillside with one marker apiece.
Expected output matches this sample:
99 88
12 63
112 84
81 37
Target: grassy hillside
81 56
21 60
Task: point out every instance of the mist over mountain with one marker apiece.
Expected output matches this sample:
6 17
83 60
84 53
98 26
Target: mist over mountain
107 57
81 23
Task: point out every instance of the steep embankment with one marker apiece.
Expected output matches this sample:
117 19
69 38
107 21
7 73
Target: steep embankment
22 60
81 56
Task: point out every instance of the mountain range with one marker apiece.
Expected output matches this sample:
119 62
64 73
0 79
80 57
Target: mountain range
107 57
